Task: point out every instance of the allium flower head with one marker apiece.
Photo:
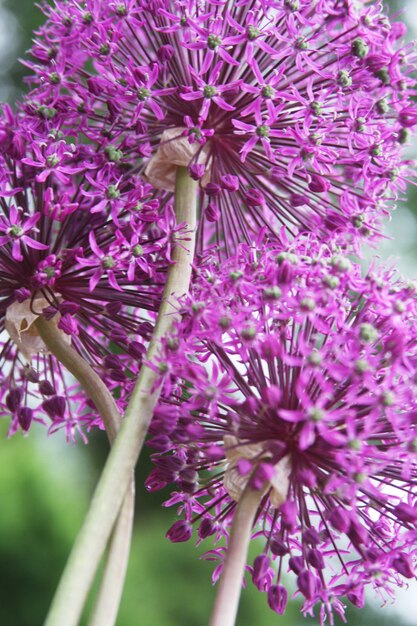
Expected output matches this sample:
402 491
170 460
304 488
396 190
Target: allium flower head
294 111
90 252
295 374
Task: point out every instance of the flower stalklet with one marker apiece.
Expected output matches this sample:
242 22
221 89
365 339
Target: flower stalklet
87 250
294 375
287 112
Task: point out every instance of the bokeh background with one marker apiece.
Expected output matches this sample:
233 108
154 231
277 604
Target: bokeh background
45 484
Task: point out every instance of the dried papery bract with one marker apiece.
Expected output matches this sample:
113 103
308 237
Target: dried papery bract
20 324
235 481
294 374
175 151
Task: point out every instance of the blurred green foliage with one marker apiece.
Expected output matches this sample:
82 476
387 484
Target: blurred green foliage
28 17
41 508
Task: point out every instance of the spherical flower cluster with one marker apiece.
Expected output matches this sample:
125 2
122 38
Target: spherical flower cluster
287 111
89 250
293 374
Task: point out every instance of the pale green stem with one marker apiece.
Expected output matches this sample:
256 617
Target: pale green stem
109 595
226 603
111 588
90 544
86 376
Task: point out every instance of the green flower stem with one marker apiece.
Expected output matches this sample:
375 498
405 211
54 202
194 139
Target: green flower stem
226 603
86 376
109 595
90 544
110 592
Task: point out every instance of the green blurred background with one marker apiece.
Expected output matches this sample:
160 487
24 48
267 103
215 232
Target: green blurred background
45 484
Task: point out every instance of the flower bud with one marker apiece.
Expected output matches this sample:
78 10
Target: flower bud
229 182
277 598
165 53
212 212
212 189
180 531
357 533
307 584
408 117
22 294
296 564
68 324
206 528
24 417
197 171
160 443
254 197
278 547
403 564
136 349
311 536
357 597
289 514
13 399
315 558
340 520
46 388
297 200
154 482
119 336
318 184
54 407
261 566
69 307
406 513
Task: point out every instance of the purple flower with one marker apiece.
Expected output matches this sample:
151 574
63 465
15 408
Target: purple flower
179 532
262 131
209 91
142 82
295 373
15 232
51 158
106 261
97 274
307 109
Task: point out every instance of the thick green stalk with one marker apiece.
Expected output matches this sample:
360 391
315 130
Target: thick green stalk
86 376
89 546
226 603
109 595
111 588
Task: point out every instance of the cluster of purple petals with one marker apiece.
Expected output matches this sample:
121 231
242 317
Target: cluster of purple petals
295 374
297 110
86 244
291 372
